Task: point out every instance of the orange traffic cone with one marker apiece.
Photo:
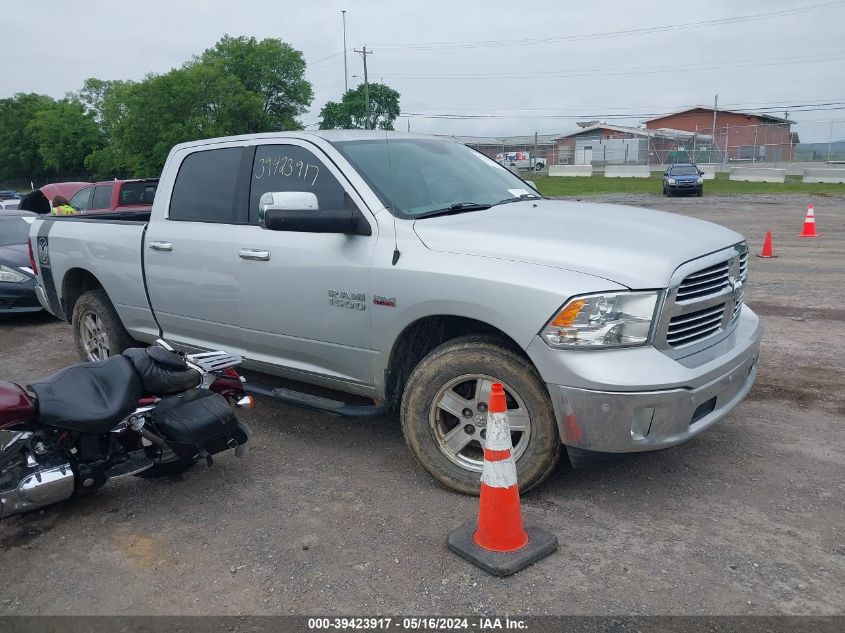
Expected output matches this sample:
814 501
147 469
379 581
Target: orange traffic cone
768 250
809 223
498 542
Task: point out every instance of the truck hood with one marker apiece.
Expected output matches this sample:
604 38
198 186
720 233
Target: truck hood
638 248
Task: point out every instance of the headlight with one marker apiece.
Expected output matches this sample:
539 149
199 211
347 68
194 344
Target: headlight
605 320
671 181
11 275
699 180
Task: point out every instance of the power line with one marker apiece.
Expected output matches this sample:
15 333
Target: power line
421 46
635 70
757 106
630 115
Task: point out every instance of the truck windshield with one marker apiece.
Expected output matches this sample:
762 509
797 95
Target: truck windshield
416 177
685 170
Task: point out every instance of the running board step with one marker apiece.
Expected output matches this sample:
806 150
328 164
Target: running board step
318 403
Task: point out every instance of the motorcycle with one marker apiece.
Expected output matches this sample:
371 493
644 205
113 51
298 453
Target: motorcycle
147 412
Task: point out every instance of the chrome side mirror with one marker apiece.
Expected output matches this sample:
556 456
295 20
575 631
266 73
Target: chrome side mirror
299 211
286 201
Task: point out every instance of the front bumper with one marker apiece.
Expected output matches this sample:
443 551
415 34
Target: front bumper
638 399
19 297
685 186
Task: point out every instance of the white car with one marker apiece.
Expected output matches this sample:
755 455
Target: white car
520 160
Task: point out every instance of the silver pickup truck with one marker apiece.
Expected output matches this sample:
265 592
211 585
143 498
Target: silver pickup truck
416 272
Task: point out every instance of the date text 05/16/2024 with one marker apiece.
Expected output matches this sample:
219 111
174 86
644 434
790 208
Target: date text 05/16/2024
418 623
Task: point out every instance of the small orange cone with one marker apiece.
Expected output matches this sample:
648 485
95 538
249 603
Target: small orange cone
498 542
499 514
809 223
768 250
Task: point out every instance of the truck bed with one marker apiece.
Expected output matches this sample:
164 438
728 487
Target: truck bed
70 250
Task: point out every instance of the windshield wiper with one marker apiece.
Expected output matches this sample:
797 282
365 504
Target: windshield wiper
453 209
519 198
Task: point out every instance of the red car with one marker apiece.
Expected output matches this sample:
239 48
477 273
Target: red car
38 201
116 196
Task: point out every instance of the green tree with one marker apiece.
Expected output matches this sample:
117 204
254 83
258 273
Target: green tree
106 102
239 86
19 156
351 111
66 135
272 72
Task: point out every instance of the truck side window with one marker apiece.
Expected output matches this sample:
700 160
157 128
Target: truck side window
102 197
206 186
292 168
82 199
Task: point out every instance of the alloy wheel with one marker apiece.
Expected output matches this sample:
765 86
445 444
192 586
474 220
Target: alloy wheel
94 337
458 419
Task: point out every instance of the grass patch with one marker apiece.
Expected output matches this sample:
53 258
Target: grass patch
597 185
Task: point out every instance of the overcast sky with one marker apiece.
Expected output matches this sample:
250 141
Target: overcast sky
468 58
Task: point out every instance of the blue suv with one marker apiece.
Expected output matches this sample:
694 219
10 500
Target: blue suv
683 178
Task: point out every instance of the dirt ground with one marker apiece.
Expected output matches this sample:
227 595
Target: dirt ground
332 516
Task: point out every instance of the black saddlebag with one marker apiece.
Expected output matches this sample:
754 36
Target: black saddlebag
198 423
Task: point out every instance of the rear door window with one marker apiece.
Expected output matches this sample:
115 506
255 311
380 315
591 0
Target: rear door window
137 193
102 197
206 186
293 168
82 200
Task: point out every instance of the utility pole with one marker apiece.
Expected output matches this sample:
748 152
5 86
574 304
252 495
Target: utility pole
716 107
829 140
345 72
364 52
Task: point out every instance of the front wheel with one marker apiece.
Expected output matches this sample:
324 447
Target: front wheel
97 329
444 408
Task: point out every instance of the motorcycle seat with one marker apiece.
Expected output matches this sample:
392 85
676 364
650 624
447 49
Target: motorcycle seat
89 397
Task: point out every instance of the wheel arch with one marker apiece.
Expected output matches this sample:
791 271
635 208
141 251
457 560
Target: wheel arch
75 283
421 336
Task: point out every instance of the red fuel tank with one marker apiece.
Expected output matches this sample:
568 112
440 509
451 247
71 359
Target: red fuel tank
15 405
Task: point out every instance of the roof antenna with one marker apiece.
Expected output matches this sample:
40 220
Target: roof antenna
396 253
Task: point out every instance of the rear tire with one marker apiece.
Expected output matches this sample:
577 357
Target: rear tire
426 426
97 330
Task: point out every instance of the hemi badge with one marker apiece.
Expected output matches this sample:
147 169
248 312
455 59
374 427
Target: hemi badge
390 302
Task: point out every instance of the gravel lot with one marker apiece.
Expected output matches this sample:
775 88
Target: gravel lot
333 516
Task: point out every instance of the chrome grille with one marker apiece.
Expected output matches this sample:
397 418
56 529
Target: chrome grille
743 276
705 282
694 326
704 300
737 305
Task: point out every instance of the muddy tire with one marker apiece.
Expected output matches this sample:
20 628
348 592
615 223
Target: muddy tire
443 413
97 330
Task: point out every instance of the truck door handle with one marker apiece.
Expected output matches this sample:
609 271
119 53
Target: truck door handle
254 254
161 246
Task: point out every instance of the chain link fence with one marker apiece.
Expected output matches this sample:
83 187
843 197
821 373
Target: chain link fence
784 145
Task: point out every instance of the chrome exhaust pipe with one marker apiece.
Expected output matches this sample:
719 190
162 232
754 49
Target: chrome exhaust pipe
38 489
